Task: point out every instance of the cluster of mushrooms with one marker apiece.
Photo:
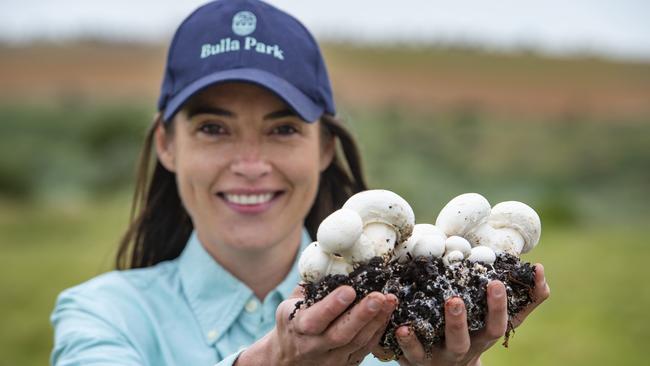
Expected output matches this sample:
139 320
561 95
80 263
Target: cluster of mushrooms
373 244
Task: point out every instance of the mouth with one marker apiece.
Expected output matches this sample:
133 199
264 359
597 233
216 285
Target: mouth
250 202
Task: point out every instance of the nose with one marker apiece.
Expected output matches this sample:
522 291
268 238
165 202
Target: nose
249 164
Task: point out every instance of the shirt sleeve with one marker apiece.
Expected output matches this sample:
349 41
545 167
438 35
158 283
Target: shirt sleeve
85 335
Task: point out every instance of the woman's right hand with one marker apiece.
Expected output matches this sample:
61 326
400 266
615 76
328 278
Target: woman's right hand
325 333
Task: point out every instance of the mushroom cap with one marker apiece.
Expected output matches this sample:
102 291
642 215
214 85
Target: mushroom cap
500 240
452 257
482 254
426 240
313 263
380 205
457 243
463 213
339 231
520 217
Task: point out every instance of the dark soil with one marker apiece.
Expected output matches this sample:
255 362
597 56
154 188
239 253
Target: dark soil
423 284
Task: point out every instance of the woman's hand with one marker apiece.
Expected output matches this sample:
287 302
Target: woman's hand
325 333
461 348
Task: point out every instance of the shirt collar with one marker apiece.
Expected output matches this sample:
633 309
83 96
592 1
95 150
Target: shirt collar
214 294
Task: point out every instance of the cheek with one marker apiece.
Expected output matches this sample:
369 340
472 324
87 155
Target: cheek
304 168
196 172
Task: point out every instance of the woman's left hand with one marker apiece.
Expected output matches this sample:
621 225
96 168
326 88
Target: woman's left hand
461 348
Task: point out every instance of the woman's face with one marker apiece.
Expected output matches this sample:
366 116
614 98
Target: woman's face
246 166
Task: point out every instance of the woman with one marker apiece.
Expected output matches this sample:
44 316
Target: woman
246 169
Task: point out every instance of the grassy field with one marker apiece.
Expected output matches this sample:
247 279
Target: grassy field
568 136
597 313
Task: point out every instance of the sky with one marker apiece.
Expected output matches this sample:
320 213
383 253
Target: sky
616 28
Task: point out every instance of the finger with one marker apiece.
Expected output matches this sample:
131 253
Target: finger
372 345
383 354
346 328
541 292
368 337
317 318
457 339
410 345
496 321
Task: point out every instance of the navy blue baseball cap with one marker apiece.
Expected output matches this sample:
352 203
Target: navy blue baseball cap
246 41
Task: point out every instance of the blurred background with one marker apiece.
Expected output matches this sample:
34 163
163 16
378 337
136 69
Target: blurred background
546 103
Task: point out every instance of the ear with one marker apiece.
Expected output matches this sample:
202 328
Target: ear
165 147
328 147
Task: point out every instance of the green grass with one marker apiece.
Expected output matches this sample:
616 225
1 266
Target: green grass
44 250
597 313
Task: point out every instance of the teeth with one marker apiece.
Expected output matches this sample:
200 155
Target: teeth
253 199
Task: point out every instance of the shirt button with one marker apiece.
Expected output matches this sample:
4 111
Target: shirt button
212 335
251 306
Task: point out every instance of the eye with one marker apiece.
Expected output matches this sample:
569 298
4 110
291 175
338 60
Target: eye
284 130
213 129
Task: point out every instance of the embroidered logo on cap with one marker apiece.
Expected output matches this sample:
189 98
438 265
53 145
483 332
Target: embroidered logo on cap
243 23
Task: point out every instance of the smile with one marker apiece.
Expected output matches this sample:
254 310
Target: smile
251 202
248 199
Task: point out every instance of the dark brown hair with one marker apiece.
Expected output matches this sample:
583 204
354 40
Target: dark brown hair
160 226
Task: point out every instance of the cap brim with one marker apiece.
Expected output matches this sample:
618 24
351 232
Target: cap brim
299 102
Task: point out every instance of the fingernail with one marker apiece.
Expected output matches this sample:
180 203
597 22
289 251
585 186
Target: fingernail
374 305
456 309
498 292
346 297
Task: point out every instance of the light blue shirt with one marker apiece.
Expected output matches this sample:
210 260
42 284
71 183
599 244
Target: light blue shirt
186 311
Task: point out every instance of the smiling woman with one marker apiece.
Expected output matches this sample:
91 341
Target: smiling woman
247 170
249 159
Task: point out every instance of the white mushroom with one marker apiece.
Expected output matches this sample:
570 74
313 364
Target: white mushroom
511 227
387 218
453 257
458 243
369 224
362 251
426 240
520 217
482 254
314 264
462 214
339 231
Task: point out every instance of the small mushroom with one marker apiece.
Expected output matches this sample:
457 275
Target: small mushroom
519 217
426 241
458 243
482 254
463 213
314 264
387 218
453 257
339 231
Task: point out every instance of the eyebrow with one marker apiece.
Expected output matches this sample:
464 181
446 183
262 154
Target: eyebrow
226 113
